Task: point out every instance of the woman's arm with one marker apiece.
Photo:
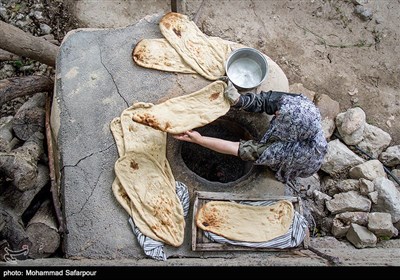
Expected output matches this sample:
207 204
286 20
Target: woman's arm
215 144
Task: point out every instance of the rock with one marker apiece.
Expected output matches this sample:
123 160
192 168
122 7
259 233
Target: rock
350 125
348 201
375 140
365 186
359 218
339 229
381 225
339 158
329 109
348 185
391 156
368 170
388 198
361 237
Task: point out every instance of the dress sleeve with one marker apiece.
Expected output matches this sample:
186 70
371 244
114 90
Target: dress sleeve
267 102
251 150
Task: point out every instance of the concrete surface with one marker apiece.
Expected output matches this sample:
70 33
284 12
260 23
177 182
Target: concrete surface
386 255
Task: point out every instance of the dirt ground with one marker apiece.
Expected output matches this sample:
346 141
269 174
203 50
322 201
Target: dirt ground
327 45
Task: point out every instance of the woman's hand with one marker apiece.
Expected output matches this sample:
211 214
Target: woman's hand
189 136
231 93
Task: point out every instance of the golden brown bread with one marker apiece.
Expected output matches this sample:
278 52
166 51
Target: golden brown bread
159 54
186 112
144 184
152 194
246 222
205 55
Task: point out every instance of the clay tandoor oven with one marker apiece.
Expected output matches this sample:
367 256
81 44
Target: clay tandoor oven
202 169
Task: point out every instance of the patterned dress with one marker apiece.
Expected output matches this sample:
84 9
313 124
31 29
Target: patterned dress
294 144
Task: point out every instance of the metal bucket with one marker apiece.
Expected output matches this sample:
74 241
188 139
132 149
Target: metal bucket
246 68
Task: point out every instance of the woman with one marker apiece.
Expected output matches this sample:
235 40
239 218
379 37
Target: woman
294 144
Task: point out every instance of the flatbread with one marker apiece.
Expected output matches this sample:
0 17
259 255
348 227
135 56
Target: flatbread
136 140
195 52
116 130
122 197
142 138
118 190
153 196
159 54
246 222
202 54
186 112
276 78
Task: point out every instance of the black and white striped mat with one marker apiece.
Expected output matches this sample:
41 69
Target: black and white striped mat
154 248
292 238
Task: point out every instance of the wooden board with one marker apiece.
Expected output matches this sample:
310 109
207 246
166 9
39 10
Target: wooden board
201 243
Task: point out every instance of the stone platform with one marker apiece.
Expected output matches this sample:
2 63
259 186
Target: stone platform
96 79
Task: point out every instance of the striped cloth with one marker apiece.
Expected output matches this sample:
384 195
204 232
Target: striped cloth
291 239
153 248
